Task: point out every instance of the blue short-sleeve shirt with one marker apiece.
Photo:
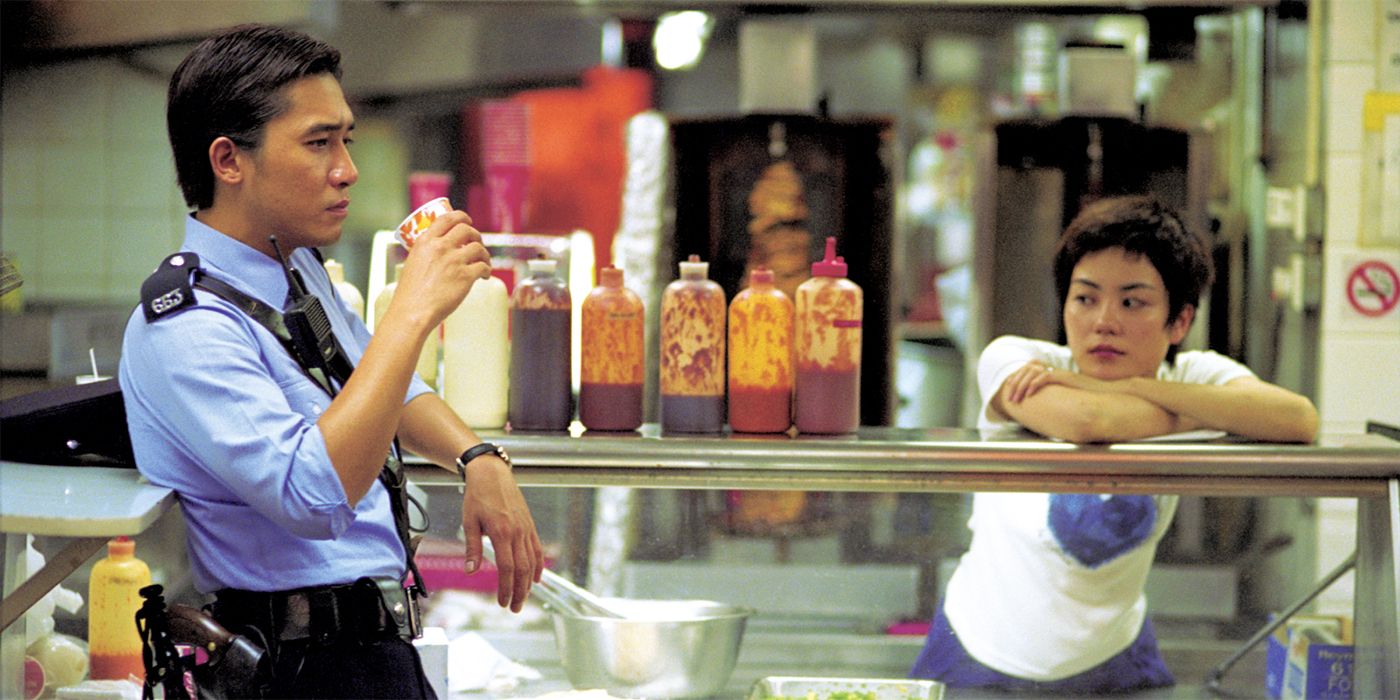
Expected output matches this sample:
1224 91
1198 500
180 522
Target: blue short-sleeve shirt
220 412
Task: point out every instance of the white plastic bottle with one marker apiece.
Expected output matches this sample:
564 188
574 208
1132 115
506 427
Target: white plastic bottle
476 355
349 293
427 367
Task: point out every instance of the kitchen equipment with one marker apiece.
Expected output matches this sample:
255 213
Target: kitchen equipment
817 688
662 649
641 648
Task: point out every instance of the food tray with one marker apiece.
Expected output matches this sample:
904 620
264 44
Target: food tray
818 688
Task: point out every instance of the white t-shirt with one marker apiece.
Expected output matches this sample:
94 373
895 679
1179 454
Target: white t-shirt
1030 598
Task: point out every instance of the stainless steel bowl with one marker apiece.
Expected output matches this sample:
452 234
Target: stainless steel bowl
663 649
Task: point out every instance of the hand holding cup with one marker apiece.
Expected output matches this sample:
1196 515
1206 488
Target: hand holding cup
446 256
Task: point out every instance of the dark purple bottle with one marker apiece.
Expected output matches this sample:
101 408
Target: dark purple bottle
541 390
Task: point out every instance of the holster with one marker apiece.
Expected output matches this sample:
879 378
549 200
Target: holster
242 671
400 604
236 668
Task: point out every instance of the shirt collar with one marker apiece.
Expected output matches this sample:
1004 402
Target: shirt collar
236 263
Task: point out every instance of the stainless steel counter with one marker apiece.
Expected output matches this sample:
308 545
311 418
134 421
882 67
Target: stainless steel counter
947 460
1361 466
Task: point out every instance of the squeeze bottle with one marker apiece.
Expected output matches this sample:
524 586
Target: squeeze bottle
829 308
427 367
349 293
476 355
692 351
541 353
114 596
760 357
614 359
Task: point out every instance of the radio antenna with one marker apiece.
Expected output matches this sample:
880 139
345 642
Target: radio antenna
293 277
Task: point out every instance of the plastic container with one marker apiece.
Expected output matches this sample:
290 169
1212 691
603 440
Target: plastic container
613 362
829 311
349 293
114 643
541 353
692 351
761 322
428 358
476 355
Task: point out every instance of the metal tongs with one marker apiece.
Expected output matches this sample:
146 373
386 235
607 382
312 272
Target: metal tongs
563 595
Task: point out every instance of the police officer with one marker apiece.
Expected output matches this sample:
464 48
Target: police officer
295 519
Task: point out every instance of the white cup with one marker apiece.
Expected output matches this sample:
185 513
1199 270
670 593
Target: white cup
416 223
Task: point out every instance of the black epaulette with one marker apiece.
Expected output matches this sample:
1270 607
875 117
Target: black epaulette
170 288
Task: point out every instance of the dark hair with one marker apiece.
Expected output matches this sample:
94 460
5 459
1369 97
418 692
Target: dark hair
229 85
1143 226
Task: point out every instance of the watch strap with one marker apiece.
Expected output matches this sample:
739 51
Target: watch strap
476 451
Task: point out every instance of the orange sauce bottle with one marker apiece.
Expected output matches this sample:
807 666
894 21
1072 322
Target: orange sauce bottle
613 357
692 351
760 357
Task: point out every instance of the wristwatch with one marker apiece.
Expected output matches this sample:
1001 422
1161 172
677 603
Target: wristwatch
478 450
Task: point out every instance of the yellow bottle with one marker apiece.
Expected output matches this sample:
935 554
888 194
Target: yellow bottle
114 596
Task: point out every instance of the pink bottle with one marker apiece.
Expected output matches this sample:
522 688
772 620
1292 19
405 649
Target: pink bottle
829 311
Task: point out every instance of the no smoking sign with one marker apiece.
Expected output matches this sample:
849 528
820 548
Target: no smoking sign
1373 288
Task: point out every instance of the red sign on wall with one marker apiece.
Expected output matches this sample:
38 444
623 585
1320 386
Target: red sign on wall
1373 288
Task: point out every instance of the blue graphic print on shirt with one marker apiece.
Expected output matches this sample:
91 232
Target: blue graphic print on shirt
1094 529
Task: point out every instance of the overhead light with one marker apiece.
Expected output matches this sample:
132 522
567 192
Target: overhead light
679 40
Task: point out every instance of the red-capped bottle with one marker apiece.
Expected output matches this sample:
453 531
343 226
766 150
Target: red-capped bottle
760 357
541 384
829 311
613 356
692 351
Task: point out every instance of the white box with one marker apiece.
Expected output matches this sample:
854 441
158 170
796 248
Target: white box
432 649
1098 81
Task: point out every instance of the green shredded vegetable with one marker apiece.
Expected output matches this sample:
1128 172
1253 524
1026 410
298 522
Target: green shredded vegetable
834 695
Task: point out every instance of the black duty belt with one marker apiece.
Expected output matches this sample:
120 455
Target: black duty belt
366 610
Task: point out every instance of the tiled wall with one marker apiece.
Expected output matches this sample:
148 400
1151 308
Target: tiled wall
1348 395
1359 371
90 203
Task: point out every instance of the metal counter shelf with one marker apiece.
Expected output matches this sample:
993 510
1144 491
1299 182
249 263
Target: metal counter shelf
946 460
1361 466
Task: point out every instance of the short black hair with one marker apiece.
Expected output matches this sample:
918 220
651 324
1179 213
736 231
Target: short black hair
1140 225
229 85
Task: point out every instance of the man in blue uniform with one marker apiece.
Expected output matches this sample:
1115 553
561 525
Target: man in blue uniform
295 523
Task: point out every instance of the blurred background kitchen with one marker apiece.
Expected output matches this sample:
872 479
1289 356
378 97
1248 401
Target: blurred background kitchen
944 143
